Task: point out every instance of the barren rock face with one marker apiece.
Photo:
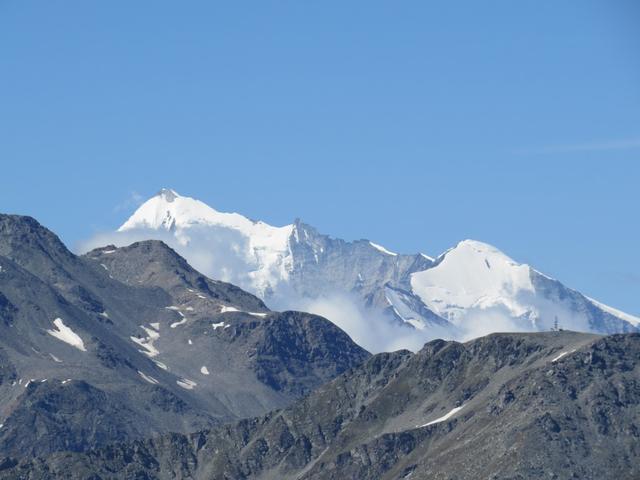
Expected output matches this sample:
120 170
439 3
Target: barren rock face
503 406
112 346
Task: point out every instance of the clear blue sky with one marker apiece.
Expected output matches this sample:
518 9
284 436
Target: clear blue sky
415 124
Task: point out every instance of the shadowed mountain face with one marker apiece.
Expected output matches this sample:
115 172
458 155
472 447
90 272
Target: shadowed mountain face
128 343
508 406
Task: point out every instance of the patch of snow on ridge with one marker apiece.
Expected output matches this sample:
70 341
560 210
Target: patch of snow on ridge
380 248
217 325
64 333
177 324
55 359
151 333
204 370
227 309
635 321
161 365
562 355
186 383
147 342
451 413
148 378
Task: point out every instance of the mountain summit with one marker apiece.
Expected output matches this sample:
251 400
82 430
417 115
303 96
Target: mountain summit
383 299
253 252
167 209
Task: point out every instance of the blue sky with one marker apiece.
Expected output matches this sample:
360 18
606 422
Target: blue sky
415 124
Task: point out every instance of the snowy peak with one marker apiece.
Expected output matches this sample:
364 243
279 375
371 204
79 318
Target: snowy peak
472 274
478 287
473 248
253 254
168 210
477 270
478 247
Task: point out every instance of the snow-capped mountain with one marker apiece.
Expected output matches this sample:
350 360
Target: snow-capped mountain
469 290
480 289
262 250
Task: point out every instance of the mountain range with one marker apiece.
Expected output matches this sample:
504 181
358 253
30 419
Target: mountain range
126 343
127 362
384 300
556 405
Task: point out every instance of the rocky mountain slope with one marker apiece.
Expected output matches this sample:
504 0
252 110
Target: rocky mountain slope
557 405
470 290
132 342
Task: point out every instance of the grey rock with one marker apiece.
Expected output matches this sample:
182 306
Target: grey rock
527 413
324 265
165 348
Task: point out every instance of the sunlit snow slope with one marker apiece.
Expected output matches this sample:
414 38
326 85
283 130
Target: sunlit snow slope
481 290
259 250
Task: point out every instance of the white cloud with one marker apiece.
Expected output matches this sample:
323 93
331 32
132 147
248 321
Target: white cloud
369 329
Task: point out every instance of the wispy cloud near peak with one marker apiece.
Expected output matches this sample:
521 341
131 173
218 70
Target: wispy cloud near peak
133 200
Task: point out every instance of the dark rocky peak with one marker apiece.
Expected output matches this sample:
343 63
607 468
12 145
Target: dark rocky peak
303 234
168 194
25 241
154 263
144 252
294 352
